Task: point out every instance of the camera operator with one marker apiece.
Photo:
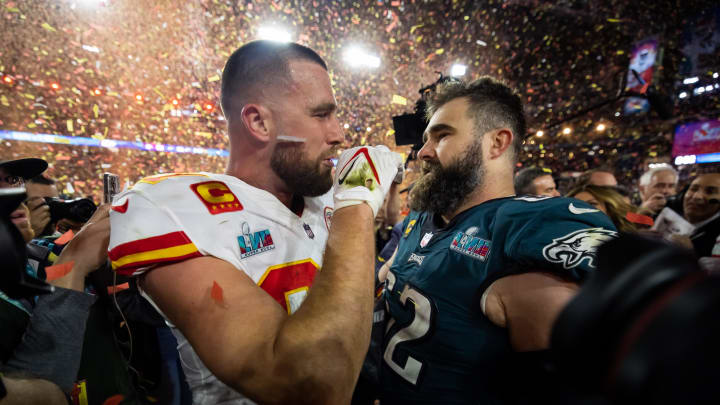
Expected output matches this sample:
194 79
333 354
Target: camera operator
52 216
37 189
43 337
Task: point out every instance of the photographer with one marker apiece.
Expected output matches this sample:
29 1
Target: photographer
50 215
37 189
43 337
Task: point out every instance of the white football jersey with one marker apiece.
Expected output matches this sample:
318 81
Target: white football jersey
173 217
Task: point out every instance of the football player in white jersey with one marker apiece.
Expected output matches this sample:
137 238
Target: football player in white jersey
228 258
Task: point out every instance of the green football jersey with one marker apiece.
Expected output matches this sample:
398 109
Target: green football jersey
438 347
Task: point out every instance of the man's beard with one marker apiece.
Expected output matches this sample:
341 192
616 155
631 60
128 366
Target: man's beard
301 175
442 190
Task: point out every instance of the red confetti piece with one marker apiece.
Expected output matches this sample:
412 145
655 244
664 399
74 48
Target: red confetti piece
65 238
639 219
216 293
58 270
112 289
114 400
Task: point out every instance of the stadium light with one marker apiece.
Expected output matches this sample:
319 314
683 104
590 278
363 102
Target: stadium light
715 75
683 95
690 80
539 134
357 57
272 33
567 130
92 3
458 70
600 127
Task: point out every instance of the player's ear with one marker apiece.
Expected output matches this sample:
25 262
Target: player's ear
257 120
500 140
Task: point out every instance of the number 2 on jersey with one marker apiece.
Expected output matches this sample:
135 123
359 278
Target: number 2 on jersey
419 327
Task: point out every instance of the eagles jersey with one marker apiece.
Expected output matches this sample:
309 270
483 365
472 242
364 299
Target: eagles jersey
438 347
174 217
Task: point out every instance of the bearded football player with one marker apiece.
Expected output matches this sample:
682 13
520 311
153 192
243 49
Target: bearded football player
232 260
479 273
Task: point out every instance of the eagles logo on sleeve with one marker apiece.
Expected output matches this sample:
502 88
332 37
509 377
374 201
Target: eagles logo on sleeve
570 250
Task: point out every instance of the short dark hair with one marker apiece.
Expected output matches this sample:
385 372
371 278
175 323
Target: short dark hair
256 65
41 179
584 178
524 180
492 105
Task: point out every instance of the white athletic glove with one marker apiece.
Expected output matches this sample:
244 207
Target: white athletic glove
364 175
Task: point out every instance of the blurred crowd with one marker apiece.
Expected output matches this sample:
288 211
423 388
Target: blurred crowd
76 68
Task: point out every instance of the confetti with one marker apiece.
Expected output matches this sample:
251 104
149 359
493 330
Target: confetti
112 289
559 58
58 270
216 292
65 238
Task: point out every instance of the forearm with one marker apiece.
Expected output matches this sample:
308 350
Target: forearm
21 391
75 279
52 345
392 214
327 338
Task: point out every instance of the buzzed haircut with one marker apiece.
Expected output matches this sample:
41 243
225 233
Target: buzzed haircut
257 65
523 181
493 105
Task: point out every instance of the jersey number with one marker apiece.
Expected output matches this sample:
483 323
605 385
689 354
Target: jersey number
419 327
289 283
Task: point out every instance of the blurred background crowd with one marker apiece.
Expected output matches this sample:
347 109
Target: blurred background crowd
102 72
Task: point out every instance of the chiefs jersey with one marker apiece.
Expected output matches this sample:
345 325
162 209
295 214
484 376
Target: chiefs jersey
174 217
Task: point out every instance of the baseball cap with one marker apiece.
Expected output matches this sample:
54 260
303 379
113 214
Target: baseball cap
26 168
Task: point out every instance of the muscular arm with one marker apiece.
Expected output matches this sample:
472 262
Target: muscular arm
249 341
527 305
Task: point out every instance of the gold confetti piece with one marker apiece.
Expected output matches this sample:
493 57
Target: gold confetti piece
396 99
213 78
48 27
70 126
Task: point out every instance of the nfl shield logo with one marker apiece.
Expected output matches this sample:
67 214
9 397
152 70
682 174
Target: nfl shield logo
426 239
309 231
